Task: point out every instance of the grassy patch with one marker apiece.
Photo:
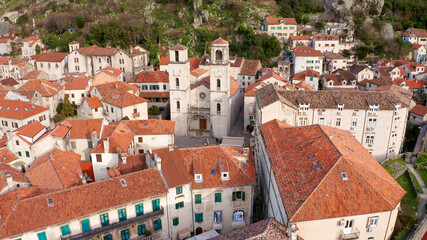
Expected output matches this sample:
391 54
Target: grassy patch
394 166
421 163
417 184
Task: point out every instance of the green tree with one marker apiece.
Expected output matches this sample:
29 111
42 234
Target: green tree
58 117
319 25
305 20
38 49
68 110
346 53
125 118
362 52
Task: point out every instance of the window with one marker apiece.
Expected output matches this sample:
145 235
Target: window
139 209
238 216
41 236
198 198
140 139
27 154
302 121
164 87
100 60
17 142
218 108
19 153
370 140
198 217
112 109
217 217
396 122
144 87
178 106
177 83
98 158
85 225
273 28
393 138
104 219
178 190
218 197
125 234
141 229
372 123
176 56
65 230
156 204
175 221
338 122
108 237
198 178
122 214
303 108
218 84
373 221
373 108
321 121
371 238
340 108
239 195
157 224
179 205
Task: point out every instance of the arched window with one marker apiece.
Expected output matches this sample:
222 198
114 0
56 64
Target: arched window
177 82
176 56
178 106
218 55
218 108
218 83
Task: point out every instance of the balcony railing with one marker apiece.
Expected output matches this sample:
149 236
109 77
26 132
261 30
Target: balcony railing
115 225
350 236
199 110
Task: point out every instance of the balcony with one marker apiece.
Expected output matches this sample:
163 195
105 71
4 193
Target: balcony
350 236
101 230
205 111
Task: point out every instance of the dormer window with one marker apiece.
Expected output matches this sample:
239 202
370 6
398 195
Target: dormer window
397 106
303 108
340 108
198 178
373 108
225 176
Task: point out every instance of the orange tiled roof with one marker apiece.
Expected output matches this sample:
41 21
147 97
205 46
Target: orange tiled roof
61 130
276 21
78 83
119 136
178 47
149 126
55 170
97 51
72 203
307 73
112 71
93 102
33 74
307 163
50 57
17 176
414 84
123 86
16 109
83 128
5 40
198 72
7 156
234 87
304 86
151 77
45 87
417 46
325 37
304 51
219 41
151 94
134 162
164 61
419 32
194 63
250 67
419 110
122 99
30 130
300 38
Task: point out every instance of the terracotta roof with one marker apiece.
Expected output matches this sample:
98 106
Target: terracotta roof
97 51
346 74
198 72
325 37
17 176
7 156
265 229
204 81
149 126
32 40
178 47
151 94
219 41
122 99
234 87
250 67
61 130
10 82
417 46
415 84
78 83
276 21
151 77
419 32
113 172
72 203
180 165
333 55
3 93
16 109
112 71
30 130
194 63
33 74
5 40
358 68
49 57
123 86
307 163
134 163
45 87
300 38
330 99
398 63
3 141
307 73
55 170
93 102
304 86
119 136
304 51
164 61
83 128
73 42
236 61
87 169
419 110
337 79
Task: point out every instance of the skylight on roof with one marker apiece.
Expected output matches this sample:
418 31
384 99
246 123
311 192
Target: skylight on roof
311 156
16 109
7 108
4 158
26 109
1 107
318 169
213 171
33 106
315 163
344 176
123 182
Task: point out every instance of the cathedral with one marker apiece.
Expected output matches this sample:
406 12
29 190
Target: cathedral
205 98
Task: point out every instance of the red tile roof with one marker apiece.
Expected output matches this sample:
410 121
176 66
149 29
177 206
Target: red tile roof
149 126
78 83
304 51
151 94
9 82
234 87
16 109
112 71
164 61
194 63
17 176
97 51
30 130
304 86
250 67
5 40
83 128
119 136
151 77
7 156
324 37
417 46
73 43
134 162
198 72
414 84
419 32
307 163
300 38
178 47
419 110
33 40
276 21
45 87
122 99
49 57
93 102
61 130
87 168
219 41
123 86
33 74
73 203
307 73
55 170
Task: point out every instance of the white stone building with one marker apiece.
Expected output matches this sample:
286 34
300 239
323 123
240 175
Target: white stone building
29 46
295 41
282 28
334 61
54 64
5 45
326 43
78 89
15 114
309 76
306 57
419 53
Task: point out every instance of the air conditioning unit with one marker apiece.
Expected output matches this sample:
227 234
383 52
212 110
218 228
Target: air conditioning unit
342 223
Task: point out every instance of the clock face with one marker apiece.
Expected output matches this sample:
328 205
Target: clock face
202 95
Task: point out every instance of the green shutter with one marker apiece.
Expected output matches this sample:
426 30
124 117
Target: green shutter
218 197
85 225
108 237
141 229
234 196
178 190
19 154
104 219
176 221
42 236
157 224
125 234
198 198
164 87
156 204
199 217
122 214
243 196
27 153
65 230
139 209
179 205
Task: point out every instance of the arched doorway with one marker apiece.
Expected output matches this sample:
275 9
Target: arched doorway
199 125
199 230
218 55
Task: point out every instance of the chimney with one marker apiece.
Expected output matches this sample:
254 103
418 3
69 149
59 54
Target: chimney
106 145
158 161
293 232
83 179
124 159
94 138
9 180
8 134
